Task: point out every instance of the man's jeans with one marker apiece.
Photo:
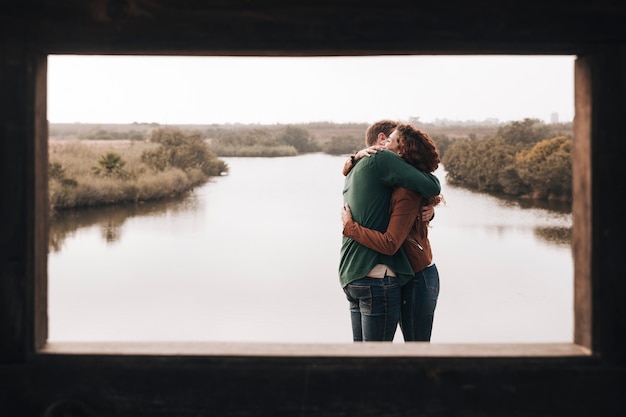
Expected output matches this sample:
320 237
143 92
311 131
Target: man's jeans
419 299
374 308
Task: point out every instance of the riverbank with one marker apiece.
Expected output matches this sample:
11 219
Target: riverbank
482 157
95 173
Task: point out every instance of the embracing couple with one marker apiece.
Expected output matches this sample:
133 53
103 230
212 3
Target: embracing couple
386 268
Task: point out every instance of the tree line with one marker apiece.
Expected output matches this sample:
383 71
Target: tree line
245 140
524 158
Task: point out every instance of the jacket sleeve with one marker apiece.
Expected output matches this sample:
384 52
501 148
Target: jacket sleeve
404 211
395 172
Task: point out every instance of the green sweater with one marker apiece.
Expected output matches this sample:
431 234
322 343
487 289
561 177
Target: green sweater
367 190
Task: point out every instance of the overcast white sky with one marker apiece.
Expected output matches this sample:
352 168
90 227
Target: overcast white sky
205 90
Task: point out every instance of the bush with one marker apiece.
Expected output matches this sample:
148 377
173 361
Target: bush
547 168
186 151
111 164
515 162
343 145
291 141
174 164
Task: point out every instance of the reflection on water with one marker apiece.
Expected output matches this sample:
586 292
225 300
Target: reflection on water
552 206
555 235
111 219
253 256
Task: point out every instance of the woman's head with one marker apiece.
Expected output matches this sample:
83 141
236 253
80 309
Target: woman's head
415 147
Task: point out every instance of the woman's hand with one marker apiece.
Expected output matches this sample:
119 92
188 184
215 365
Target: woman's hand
428 212
346 214
367 152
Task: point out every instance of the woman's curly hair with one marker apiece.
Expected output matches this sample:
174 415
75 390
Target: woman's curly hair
419 150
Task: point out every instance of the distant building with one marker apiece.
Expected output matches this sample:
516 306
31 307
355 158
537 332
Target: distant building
414 120
554 117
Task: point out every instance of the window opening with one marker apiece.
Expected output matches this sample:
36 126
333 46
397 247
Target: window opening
224 262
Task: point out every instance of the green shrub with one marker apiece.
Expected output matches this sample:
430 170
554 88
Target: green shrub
111 164
342 145
182 150
516 161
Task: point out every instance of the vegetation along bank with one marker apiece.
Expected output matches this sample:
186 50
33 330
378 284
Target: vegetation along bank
91 165
170 163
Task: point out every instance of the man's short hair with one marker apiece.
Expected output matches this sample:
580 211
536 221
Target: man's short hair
383 126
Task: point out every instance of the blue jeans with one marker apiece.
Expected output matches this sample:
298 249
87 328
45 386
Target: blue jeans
374 308
419 299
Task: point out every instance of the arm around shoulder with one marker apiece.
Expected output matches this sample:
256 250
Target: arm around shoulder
396 172
348 165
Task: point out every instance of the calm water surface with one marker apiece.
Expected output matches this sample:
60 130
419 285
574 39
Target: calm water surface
253 257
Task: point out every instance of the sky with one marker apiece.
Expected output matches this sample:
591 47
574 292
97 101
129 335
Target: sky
290 90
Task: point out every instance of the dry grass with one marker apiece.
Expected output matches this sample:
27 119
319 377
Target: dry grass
80 187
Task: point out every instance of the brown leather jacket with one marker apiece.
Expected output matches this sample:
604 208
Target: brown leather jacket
405 230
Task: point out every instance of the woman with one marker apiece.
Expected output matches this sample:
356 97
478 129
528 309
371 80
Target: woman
407 230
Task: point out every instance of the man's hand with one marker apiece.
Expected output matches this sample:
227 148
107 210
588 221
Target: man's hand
428 212
346 214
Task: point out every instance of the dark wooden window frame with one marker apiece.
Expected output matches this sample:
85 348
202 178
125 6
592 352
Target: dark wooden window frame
39 378
579 348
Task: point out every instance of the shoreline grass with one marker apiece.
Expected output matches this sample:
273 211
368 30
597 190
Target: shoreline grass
80 177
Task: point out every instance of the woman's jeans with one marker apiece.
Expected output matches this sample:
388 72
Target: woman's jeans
419 299
374 308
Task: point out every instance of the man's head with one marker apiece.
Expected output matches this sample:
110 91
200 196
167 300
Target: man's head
378 133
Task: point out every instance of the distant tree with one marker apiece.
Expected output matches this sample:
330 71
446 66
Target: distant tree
497 166
184 150
442 142
485 165
515 161
299 138
547 167
524 133
246 137
111 163
340 145
259 142
459 161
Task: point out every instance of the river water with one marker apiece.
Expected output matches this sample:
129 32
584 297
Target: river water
253 256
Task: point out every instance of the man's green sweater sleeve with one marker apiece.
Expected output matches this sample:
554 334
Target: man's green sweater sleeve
396 172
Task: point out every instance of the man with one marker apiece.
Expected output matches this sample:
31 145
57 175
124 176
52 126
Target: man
376 137
370 280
